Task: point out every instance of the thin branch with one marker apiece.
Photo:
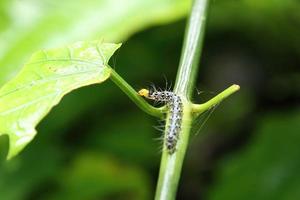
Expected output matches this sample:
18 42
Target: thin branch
200 108
133 95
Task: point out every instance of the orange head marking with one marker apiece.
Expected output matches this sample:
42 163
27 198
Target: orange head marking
144 93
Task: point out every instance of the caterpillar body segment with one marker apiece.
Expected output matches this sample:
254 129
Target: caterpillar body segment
174 119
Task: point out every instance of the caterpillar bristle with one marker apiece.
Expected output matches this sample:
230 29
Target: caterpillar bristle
174 119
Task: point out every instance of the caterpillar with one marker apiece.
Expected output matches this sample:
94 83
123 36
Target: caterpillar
175 107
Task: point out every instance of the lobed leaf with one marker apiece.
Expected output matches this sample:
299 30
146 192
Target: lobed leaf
42 83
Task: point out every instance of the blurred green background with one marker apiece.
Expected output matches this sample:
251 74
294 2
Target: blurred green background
96 144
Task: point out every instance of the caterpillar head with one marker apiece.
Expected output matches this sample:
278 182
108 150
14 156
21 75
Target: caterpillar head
147 93
144 93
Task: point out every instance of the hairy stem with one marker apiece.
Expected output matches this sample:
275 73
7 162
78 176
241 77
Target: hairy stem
171 164
132 94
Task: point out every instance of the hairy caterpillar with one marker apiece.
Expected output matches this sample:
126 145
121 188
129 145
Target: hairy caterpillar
175 106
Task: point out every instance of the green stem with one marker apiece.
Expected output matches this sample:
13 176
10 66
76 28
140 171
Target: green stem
192 48
133 95
200 108
171 165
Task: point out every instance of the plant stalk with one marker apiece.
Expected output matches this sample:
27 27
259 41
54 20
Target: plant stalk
133 95
200 108
171 164
192 48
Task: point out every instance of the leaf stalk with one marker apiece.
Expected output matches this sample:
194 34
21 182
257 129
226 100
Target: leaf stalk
133 95
200 108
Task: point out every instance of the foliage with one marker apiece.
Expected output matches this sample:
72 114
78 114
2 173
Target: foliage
36 25
254 42
44 80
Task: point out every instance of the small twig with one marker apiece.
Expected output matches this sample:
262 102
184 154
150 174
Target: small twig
133 95
200 108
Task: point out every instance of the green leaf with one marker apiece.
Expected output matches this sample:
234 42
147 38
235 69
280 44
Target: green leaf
34 25
42 83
